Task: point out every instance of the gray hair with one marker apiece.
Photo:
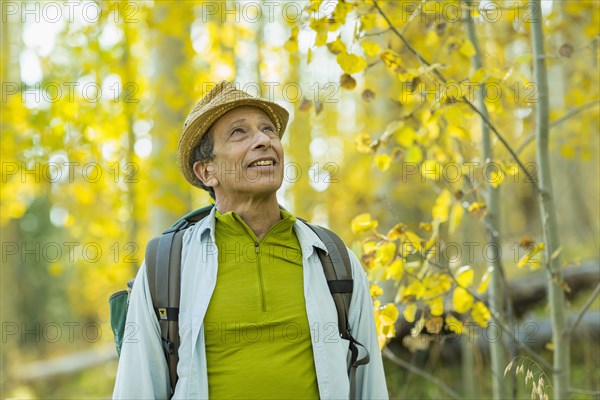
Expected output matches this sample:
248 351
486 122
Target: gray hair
203 152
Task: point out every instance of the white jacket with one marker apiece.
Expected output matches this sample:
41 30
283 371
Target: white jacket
143 371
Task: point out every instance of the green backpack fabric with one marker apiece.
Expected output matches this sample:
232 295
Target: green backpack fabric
163 264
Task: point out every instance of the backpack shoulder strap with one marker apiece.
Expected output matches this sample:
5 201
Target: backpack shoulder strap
338 272
163 264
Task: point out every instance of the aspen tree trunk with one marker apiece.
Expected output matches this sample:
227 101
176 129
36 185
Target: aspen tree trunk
168 57
556 295
492 221
129 107
299 138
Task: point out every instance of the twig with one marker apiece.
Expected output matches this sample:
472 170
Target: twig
417 371
558 121
471 105
572 112
587 305
375 33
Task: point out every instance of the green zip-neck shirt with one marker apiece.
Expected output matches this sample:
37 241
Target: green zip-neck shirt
258 342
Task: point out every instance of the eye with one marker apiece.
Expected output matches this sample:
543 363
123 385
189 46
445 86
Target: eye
237 131
269 128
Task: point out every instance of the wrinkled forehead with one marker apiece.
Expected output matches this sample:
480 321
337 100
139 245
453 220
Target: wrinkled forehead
242 113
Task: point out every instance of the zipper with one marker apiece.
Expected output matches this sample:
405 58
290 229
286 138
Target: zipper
263 301
261 287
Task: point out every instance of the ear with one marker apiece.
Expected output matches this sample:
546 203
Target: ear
206 172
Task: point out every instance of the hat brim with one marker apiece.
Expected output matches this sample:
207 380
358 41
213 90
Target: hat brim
200 124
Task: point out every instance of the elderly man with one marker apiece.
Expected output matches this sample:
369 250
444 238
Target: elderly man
256 317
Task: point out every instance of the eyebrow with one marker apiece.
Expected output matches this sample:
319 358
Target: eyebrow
242 120
236 122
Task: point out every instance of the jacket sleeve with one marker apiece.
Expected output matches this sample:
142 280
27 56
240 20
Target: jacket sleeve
370 378
143 371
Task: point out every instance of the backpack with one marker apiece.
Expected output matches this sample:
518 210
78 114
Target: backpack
163 263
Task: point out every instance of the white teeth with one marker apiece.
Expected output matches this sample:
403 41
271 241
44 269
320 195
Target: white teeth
262 162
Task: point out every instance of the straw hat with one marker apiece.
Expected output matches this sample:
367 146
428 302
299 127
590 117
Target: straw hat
222 98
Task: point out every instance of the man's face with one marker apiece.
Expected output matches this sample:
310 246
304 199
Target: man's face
248 156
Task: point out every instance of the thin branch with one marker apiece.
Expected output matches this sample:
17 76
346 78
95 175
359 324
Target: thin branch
573 112
587 305
375 33
417 371
412 16
558 121
532 180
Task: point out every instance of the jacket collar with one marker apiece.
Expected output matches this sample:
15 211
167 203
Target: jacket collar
306 236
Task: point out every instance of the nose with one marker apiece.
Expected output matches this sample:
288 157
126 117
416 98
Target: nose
262 140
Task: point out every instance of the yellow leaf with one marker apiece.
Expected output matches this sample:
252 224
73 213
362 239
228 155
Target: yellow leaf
375 290
456 132
413 154
485 281
367 21
369 247
363 143
396 232
337 46
480 314
464 276
479 76
432 40
534 263
388 314
453 115
370 48
496 178
385 252
436 306
478 209
456 214
362 223
409 313
441 206
405 136
291 45
512 169
462 301
454 324
395 270
321 38
391 59
314 5
411 242
351 63
415 290
321 28
382 161
467 48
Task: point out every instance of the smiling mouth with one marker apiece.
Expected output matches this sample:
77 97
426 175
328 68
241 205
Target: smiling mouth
262 163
